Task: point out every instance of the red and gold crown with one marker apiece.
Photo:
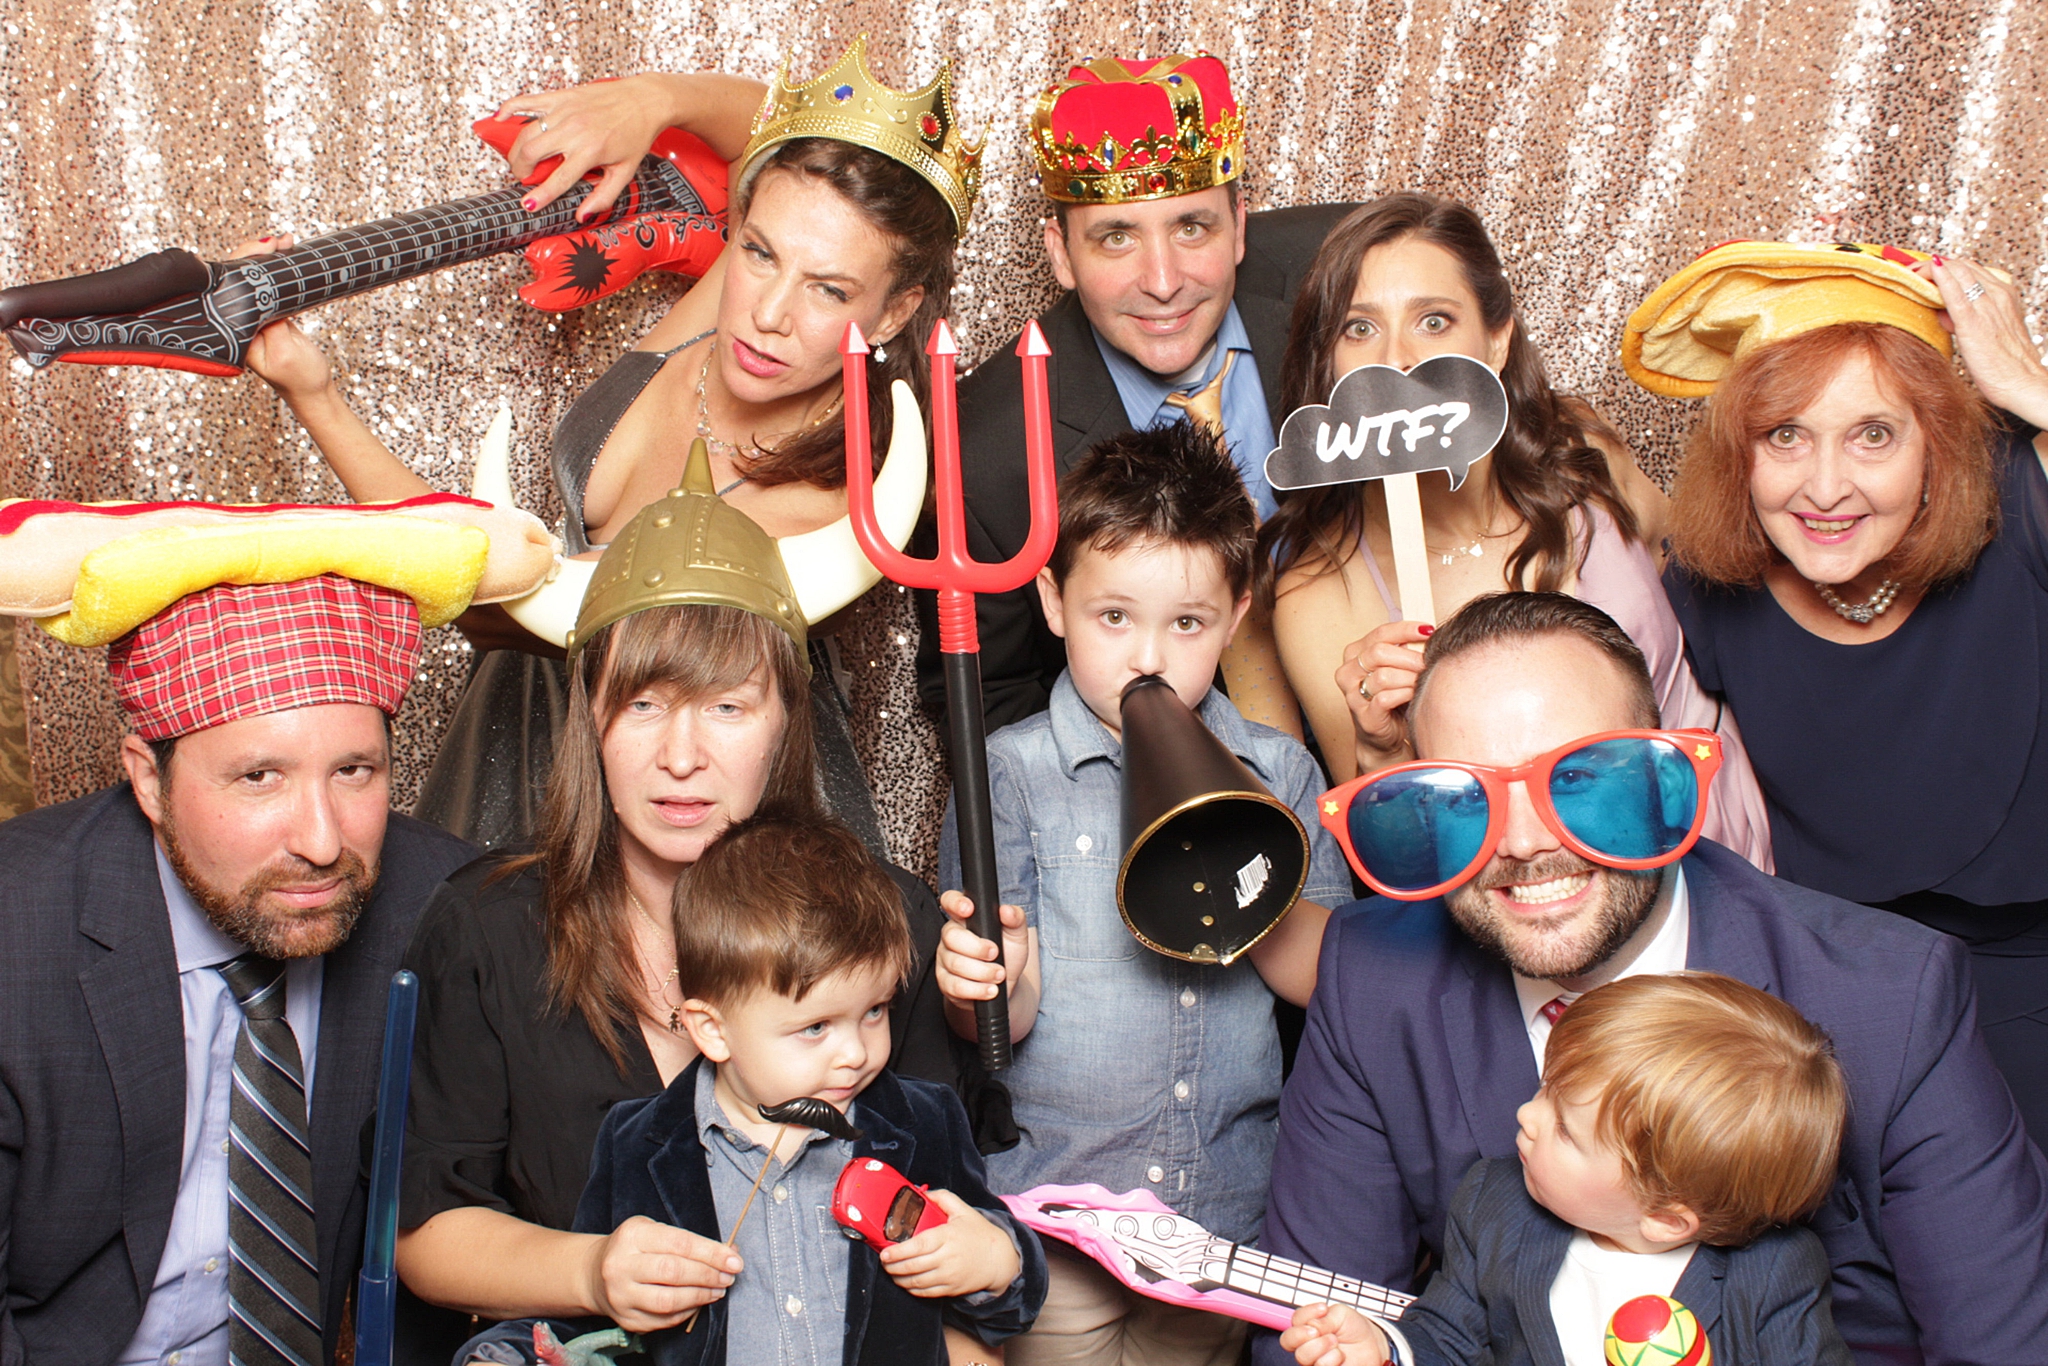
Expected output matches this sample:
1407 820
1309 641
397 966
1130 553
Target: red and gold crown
915 127
1115 131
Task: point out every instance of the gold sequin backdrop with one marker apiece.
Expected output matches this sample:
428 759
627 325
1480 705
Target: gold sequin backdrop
1605 141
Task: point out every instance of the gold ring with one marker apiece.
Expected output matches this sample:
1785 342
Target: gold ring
1365 685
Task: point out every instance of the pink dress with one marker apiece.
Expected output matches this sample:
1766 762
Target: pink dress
1621 579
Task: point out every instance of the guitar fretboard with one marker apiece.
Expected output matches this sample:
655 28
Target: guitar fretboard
1253 1272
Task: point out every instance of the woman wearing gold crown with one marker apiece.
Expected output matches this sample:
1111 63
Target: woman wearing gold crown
848 200
1860 560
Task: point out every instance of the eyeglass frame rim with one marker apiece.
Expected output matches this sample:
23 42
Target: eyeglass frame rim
1338 822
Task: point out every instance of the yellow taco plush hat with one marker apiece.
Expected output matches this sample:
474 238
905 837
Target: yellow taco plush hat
1741 295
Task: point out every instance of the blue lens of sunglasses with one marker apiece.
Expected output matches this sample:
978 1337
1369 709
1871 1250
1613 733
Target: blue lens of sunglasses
1420 828
1626 798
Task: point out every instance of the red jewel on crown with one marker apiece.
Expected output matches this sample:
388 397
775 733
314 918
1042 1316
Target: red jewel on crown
928 124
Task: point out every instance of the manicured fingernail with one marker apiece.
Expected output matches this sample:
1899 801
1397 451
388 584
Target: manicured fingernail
1425 629
583 217
526 204
264 239
1939 262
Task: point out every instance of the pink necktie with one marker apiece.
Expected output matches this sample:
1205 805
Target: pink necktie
1553 1008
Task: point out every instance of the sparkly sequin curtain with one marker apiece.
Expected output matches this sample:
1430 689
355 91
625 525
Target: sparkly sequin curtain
1605 141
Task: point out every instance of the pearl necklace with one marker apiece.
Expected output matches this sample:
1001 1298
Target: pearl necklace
727 448
1865 612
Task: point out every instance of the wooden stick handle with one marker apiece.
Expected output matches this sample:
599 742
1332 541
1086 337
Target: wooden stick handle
1411 556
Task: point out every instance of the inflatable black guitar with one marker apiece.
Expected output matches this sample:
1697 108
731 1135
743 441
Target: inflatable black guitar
173 310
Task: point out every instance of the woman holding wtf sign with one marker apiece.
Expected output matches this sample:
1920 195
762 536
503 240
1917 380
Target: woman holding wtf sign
1557 504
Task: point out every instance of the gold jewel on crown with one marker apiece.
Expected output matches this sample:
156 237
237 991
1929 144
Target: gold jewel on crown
915 127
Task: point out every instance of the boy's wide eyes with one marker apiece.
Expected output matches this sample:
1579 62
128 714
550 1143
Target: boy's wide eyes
1115 616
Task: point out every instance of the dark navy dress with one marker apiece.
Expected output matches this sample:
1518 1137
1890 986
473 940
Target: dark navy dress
1911 772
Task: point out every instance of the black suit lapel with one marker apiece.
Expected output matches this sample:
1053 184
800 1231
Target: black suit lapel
132 995
1719 931
1700 1284
881 1106
1086 407
1265 322
1490 1054
1541 1249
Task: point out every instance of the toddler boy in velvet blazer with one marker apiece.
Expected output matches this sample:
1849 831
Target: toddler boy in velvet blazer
790 943
1684 1123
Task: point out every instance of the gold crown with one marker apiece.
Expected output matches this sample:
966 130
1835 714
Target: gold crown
1127 161
916 127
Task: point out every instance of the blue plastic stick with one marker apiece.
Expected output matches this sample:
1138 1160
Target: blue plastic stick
377 1290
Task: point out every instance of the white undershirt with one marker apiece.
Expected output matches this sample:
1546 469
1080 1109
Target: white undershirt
1670 926
1594 1282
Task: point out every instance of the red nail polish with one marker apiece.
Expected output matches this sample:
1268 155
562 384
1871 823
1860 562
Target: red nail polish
1939 262
263 239
1426 629
526 204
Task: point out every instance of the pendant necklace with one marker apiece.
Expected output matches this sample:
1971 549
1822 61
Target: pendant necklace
1862 613
1477 547
727 448
675 1011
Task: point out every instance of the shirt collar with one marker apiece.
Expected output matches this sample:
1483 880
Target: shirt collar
1134 380
1078 735
1664 953
712 1119
198 941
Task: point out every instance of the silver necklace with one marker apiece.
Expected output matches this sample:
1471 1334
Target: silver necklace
1862 613
731 451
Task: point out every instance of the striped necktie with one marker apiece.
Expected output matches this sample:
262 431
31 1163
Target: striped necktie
274 1277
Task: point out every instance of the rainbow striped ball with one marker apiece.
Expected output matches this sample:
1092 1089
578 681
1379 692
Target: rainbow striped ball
1651 1330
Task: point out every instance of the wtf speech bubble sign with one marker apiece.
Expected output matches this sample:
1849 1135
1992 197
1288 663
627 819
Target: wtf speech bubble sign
1445 414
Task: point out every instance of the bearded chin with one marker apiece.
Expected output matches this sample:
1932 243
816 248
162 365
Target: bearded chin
1567 949
278 933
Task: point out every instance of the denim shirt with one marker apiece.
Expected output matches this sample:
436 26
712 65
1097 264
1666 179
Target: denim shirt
1141 1071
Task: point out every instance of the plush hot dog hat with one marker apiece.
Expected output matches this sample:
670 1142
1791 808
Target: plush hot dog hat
1741 295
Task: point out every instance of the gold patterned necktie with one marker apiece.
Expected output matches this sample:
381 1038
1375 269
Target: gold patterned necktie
1205 405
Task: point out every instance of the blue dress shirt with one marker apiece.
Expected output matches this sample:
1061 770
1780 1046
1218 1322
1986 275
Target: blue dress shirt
1246 423
185 1322
1141 1071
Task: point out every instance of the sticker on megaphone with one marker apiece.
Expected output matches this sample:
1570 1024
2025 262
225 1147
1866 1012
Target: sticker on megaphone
1447 413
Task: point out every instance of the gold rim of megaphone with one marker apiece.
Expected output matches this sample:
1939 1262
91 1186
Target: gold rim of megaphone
1123 869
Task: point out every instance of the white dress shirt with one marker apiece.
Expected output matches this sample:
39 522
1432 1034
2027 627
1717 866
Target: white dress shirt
185 1322
1669 939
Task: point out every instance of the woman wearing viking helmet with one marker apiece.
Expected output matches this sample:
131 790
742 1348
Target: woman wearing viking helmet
549 980
848 200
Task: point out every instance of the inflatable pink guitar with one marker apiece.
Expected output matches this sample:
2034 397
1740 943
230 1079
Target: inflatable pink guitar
1162 1255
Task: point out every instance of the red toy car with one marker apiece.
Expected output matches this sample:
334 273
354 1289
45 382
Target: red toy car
879 1205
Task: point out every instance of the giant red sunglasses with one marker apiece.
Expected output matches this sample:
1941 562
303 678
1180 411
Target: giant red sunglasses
1621 798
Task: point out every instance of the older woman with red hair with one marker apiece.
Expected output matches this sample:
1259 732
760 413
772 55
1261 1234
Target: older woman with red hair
1859 543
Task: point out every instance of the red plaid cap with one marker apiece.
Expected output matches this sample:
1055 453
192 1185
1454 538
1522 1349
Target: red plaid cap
239 650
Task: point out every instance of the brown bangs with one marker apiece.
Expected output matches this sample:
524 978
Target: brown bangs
1715 533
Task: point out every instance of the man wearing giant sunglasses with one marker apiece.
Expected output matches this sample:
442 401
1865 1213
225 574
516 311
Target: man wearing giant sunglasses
1546 840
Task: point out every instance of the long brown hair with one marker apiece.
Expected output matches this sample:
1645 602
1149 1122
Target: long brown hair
903 206
1545 464
1714 528
691 651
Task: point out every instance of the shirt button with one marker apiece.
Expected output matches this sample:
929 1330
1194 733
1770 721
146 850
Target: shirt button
781 1194
1155 1174
174 1358
794 1305
1084 844
213 1263
224 1144
1180 1092
1187 996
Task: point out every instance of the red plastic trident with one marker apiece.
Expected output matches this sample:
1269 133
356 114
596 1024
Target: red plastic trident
958 576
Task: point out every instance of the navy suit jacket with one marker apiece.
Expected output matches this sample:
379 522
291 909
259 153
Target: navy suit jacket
1416 1057
92 1071
649 1161
1764 1304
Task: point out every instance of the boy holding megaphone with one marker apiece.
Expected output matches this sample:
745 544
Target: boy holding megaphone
1135 1069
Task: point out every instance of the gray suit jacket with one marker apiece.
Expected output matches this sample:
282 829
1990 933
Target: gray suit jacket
1020 658
92 1072
1765 1304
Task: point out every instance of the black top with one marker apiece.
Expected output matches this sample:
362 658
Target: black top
1910 764
507 1093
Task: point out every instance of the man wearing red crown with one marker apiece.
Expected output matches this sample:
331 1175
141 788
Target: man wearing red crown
192 997
1177 304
